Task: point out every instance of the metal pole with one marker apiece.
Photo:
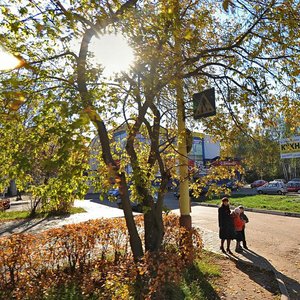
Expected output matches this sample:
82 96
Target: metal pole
184 198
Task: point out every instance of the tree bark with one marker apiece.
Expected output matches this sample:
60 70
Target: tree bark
135 241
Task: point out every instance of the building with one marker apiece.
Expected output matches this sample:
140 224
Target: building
204 149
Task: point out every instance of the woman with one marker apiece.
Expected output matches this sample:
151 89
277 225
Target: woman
226 229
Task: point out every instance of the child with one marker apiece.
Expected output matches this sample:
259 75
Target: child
238 227
245 218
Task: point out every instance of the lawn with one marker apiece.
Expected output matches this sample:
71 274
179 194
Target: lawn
290 203
16 215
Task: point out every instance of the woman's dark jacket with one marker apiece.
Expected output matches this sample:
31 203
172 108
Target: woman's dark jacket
226 228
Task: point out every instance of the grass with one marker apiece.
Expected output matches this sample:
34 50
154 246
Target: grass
68 292
197 284
197 281
16 215
282 203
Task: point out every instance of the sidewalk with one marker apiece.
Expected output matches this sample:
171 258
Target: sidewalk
211 243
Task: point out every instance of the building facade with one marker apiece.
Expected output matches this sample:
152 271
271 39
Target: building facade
204 149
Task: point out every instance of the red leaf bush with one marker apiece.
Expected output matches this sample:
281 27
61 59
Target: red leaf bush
94 256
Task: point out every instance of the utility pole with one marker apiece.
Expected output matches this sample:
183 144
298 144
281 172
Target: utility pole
184 198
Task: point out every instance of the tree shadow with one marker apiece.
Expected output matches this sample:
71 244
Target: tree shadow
196 284
24 225
95 197
259 269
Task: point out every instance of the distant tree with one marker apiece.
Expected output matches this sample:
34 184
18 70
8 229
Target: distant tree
259 153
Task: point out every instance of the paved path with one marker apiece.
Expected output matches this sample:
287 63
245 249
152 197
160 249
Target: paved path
94 210
274 242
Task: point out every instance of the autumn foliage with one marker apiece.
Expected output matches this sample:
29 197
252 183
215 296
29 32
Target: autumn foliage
95 257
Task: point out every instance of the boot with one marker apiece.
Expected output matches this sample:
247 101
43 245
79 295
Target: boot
245 245
228 251
238 248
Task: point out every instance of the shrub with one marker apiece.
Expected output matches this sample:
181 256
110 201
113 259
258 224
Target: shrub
93 259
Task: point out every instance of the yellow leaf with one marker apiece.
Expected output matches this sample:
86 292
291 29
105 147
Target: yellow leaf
296 72
188 35
93 115
15 105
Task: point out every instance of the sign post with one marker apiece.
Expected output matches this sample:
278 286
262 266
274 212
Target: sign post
185 219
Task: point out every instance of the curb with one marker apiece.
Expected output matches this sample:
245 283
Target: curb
19 202
262 211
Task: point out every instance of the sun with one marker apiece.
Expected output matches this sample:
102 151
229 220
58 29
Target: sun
8 61
113 52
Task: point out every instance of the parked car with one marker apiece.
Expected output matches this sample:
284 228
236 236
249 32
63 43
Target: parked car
115 194
273 187
280 180
137 207
295 179
293 186
258 183
4 204
231 184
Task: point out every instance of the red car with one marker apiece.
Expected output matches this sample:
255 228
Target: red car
258 183
293 186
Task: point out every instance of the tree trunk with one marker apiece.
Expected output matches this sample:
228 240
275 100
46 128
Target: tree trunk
154 229
134 238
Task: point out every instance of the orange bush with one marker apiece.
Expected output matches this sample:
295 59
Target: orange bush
96 256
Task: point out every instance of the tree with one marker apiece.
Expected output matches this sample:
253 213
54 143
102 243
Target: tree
249 54
42 150
263 164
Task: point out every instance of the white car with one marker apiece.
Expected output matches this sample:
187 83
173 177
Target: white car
280 180
273 187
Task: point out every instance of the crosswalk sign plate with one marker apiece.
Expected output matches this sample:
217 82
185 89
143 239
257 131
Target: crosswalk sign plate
204 104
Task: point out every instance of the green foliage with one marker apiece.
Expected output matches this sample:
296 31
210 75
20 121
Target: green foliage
259 152
251 56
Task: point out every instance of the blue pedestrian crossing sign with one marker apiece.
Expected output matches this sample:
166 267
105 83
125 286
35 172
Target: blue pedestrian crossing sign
204 104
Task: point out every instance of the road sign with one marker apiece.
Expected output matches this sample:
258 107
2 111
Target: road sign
204 104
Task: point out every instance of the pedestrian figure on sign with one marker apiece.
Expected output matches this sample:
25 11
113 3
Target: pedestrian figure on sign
226 228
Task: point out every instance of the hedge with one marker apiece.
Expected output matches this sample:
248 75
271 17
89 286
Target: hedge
95 258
